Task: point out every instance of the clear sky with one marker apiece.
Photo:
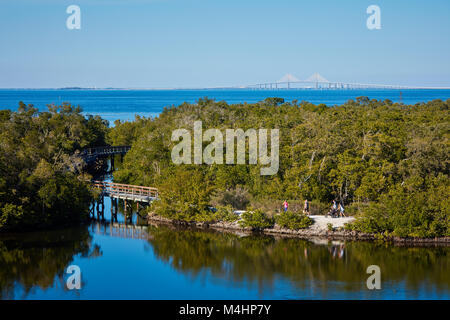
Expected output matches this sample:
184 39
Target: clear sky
203 43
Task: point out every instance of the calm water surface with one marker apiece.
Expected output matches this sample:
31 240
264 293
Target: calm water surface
160 262
125 104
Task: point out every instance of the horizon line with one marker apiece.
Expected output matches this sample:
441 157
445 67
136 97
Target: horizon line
251 87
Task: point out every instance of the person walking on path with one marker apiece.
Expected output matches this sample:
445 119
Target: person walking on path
306 208
285 205
333 210
341 210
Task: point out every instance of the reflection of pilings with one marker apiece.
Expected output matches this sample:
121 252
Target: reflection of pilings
122 230
92 209
114 209
99 206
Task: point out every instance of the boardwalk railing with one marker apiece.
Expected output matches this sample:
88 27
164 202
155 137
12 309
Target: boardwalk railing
126 191
106 150
92 153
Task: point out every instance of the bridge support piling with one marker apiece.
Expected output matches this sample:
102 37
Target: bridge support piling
100 208
114 209
103 207
112 163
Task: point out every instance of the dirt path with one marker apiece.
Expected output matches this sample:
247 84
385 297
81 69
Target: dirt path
321 222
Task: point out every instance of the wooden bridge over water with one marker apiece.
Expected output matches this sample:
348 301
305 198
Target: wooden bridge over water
91 154
126 191
117 191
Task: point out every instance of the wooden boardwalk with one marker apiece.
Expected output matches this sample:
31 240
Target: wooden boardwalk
126 191
91 154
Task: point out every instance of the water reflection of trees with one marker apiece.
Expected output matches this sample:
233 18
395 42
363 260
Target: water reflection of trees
261 259
38 260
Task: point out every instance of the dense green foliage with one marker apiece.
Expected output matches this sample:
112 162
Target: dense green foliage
293 221
410 213
40 182
256 219
186 195
237 198
225 214
386 161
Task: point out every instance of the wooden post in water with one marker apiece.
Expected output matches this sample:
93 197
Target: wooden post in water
112 163
98 209
116 208
113 208
103 207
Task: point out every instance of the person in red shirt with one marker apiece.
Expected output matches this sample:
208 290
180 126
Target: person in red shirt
285 205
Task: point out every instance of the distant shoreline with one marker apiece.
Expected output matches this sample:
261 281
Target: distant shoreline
224 88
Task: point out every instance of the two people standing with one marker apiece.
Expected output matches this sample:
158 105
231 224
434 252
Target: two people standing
305 207
335 208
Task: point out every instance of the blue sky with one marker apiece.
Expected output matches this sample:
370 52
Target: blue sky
198 43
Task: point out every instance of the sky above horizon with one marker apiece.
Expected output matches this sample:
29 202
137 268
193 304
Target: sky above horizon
201 43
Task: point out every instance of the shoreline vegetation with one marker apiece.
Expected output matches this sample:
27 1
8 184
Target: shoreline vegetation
42 177
308 233
386 162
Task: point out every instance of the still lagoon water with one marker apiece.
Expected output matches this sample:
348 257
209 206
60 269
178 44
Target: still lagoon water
128 260
119 261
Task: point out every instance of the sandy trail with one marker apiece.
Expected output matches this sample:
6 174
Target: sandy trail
321 222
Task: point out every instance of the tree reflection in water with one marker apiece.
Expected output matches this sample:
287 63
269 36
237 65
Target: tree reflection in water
262 259
309 269
38 260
